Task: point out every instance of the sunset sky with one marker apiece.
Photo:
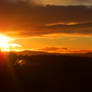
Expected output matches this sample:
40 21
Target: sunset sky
47 25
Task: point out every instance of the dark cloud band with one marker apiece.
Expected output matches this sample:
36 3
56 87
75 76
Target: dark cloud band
31 21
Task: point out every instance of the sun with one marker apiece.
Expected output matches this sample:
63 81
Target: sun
6 43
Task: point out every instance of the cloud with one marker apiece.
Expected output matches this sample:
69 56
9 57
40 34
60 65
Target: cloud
68 2
54 2
22 19
54 49
63 50
82 28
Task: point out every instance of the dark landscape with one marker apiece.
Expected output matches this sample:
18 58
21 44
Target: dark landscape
45 73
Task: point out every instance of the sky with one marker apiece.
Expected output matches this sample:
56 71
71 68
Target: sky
48 25
67 2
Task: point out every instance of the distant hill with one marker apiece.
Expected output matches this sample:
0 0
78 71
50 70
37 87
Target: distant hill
29 52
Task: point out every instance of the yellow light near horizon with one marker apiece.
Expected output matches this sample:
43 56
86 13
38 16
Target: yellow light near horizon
5 43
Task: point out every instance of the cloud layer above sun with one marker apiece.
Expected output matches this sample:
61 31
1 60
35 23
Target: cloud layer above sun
54 2
68 2
22 19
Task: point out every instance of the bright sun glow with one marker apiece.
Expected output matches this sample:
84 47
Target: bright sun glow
5 43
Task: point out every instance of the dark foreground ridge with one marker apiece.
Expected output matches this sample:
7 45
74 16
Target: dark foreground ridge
46 73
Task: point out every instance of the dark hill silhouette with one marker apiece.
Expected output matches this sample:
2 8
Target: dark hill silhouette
46 73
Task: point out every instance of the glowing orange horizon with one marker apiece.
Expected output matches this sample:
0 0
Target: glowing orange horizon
6 43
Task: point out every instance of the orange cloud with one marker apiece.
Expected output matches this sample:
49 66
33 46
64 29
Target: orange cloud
64 50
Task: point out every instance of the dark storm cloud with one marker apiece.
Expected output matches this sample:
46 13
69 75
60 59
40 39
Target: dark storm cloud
31 21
